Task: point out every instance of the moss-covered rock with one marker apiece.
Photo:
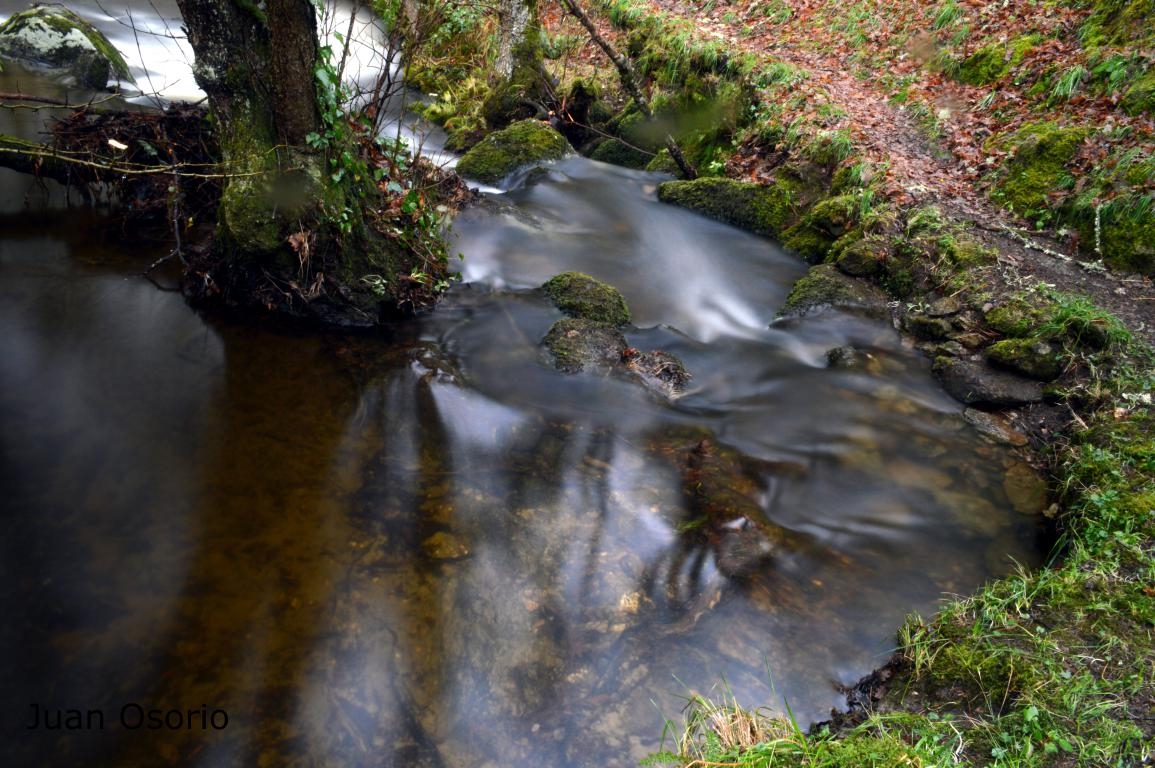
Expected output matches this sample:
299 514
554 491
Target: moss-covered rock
824 286
56 37
1014 318
923 326
992 62
1033 358
581 296
762 209
1118 22
1127 232
861 257
580 345
663 162
505 151
1040 152
616 152
808 242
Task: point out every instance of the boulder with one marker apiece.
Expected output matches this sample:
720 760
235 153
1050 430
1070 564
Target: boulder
524 143
975 383
1033 358
579 295
53 36
825 286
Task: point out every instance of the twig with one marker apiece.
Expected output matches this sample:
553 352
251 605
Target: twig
629 79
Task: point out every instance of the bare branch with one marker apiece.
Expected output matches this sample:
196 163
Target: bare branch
629 80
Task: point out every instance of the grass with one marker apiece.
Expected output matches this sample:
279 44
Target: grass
1054 667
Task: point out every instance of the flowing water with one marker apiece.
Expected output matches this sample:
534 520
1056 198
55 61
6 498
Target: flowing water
427 547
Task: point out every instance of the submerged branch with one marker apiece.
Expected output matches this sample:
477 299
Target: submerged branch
629 80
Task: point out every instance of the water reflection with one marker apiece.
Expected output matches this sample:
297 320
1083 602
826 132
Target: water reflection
432 549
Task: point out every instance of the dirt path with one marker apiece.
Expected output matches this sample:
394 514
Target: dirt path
921 169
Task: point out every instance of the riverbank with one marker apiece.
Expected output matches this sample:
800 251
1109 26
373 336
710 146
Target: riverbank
933 176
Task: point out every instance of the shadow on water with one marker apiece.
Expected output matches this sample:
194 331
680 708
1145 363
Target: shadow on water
433 549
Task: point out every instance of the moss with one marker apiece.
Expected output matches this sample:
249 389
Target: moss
579 295
834 215
763 209
825 286
615 152
929 328
664 163
503 152
1015 318
1118 23
966 252
863 256
1030 357
1127 233
992 62
1040 152
578 344
807 241
1140 97
48 34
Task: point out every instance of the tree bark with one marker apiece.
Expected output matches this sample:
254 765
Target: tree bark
257 68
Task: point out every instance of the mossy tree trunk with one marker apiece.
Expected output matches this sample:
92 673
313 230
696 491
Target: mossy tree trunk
296 226
520 85
258 69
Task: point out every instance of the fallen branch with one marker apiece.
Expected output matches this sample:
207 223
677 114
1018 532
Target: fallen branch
629 80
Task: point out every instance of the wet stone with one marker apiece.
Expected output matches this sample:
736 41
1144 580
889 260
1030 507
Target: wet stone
444 546
927 327
994 427
978 384
1025 489
944 307
853 359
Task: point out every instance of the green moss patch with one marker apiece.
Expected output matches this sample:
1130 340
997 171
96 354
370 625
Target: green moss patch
581 296
578 345
501 153
1036 359
825 286
57 37
1037 165
992 62
762 209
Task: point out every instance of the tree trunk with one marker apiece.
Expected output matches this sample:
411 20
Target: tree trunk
258 70
519 87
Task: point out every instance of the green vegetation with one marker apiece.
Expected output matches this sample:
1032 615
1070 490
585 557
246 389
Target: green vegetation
992 62
759 208
581 296
501 153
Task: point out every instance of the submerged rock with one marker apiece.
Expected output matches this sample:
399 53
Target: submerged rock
659 371
53 36
499 154
994 427
724 499
975 383
579 295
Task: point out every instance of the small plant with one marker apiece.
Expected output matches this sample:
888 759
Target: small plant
1068 83
948 13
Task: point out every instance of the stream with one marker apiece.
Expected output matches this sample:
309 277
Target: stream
426 547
